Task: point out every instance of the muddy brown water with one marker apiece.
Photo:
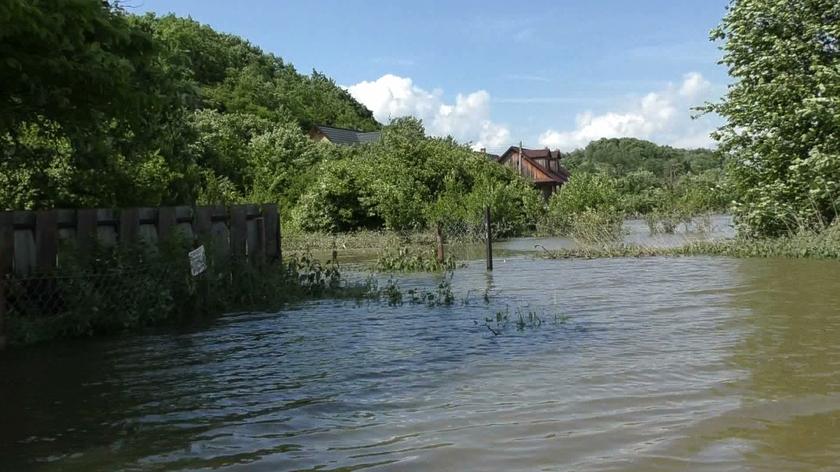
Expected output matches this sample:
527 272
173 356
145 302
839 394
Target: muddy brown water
657 364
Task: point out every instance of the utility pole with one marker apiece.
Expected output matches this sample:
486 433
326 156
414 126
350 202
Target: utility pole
520 157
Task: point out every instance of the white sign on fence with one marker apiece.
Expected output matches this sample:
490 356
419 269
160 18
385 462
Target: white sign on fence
198 262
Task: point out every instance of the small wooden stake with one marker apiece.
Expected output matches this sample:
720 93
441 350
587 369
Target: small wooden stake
488 225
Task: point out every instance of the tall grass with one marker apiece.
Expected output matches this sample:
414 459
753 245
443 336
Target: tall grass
803 244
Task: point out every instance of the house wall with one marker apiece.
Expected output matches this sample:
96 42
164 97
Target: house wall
528 170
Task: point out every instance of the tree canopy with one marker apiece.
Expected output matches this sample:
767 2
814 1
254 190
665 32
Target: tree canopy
621 156
102 108
782 136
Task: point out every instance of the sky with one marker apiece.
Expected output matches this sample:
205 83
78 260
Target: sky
493 73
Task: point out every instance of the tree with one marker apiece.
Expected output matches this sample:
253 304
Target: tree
89 114
782 136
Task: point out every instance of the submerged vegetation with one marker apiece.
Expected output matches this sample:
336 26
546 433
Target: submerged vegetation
117 289
823 244
409 259
617 178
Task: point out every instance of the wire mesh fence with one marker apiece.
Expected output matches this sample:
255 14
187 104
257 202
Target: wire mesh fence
72 304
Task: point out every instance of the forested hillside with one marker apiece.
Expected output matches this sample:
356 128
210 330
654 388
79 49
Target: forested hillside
233 76
102 108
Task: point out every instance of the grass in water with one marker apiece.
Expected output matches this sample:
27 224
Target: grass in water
408 259
819 245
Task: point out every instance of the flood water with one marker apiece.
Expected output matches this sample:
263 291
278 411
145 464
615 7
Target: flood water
655 364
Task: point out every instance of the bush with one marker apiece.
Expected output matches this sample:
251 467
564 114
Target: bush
124 289
409 182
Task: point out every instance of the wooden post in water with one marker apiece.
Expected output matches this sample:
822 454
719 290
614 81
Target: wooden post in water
488 226
439 240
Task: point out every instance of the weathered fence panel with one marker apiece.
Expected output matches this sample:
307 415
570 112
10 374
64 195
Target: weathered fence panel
129 225
238 231
86 229
30 240
46 239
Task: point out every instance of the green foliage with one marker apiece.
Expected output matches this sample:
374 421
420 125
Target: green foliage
441 296
234 76
408 259
586 208
783 112
819 245
620 157
650 179
100 109
113 290
75 63
248 158
408 182
585 191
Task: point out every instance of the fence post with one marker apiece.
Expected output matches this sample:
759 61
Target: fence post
271 220
7 251
488 225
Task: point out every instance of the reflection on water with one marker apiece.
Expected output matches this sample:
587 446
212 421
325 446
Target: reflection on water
655 364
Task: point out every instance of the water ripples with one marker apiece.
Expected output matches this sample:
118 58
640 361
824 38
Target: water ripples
654 366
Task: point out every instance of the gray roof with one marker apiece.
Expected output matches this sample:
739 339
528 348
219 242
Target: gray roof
348 136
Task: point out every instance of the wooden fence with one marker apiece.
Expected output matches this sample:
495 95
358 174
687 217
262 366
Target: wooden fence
30 240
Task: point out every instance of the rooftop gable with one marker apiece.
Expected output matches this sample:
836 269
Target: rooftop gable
531 155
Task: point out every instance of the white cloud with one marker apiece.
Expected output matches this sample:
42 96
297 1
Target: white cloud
663 116
694 85
468 119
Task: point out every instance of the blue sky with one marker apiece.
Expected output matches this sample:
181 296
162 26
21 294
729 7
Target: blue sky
549 73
